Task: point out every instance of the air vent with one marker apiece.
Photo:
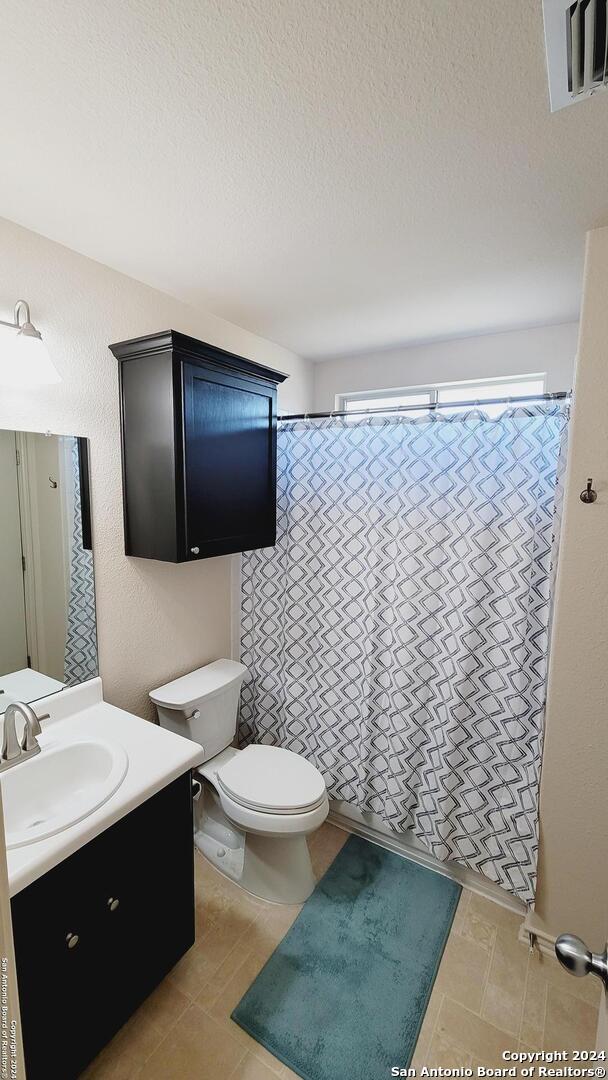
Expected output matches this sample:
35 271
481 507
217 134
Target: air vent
577 49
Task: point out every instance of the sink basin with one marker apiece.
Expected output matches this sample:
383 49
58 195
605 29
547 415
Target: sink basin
60 786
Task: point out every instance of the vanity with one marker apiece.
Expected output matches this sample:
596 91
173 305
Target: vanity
103 908
97 803
94 936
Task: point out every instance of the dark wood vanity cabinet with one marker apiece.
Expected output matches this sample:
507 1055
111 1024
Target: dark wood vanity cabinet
198 447
96 934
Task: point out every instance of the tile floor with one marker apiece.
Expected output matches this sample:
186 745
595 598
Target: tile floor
490 993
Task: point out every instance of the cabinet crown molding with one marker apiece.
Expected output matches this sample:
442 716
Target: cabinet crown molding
189 348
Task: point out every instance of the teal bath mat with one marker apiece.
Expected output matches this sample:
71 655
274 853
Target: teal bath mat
345 992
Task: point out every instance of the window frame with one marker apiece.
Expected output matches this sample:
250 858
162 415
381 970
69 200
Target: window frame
433 390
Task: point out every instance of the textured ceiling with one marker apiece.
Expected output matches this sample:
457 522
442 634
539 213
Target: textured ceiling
334 175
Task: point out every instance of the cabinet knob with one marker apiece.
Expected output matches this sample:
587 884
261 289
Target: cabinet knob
113 903
195 550
71 940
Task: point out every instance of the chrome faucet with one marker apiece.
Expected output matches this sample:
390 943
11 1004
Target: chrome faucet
13 751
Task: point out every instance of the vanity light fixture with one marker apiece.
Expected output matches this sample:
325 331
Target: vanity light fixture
24 358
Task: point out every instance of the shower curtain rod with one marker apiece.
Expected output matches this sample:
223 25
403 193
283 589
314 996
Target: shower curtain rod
559 396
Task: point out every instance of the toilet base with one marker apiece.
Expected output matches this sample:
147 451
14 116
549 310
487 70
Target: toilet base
273 868
228 860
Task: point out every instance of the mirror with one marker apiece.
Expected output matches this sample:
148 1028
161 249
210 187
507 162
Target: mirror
48 634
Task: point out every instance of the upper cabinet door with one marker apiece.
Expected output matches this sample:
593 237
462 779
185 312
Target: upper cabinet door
198 449
230 462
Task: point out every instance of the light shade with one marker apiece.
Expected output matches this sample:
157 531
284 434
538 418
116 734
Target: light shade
24 359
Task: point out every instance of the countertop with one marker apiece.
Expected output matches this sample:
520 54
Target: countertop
156 757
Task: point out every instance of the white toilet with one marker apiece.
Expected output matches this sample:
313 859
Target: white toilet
257 805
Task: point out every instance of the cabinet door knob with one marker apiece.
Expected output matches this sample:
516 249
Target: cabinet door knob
113 903
71 940
195 550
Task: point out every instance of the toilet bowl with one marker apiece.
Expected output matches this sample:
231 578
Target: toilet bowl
256 806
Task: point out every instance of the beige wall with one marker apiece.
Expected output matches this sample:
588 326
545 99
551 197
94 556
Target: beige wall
156 620
573 878
545 348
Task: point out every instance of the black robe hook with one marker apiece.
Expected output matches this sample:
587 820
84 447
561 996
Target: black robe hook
589 495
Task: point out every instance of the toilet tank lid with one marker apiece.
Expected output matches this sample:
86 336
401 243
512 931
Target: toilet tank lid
205 682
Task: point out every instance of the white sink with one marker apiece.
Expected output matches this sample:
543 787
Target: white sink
60 786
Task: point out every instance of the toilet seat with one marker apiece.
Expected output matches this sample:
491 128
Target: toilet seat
271 780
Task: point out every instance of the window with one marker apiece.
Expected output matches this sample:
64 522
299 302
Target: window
520 386
388 400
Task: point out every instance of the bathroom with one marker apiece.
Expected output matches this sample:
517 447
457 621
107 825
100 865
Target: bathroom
78 248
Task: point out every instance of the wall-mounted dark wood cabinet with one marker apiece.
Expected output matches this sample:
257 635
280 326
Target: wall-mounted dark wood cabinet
199 449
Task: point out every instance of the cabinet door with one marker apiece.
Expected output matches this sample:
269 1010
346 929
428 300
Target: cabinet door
146 900
65 980
230 462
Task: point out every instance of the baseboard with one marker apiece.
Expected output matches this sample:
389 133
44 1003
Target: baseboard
406 846
533 934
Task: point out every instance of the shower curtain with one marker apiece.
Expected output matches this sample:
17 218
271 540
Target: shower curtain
80 661
397 635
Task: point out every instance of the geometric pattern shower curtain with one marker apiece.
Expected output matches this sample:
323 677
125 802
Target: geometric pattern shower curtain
80 661
397 634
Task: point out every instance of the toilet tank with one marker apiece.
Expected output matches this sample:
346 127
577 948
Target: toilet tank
203 705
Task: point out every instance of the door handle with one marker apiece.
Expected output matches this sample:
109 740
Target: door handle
574 955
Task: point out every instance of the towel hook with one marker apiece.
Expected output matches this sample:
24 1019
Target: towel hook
589 495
